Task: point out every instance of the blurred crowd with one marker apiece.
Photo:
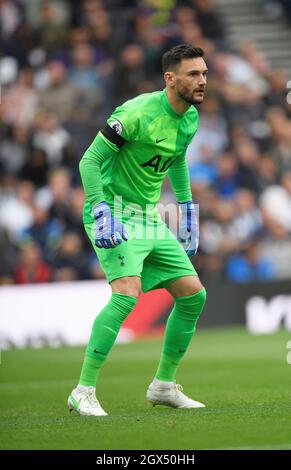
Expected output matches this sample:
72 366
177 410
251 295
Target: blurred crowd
65 65
277 8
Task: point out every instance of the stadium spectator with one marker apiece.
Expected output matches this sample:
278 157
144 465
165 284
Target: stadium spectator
211 22
16 206
131 66
70 262
36 167
227 181
31 268
250 266
21 101
61 96
276 245
45 231
14 148
9 255
51 138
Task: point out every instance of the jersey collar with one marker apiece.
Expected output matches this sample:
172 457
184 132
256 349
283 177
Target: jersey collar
168 107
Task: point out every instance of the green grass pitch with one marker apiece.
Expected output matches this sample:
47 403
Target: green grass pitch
244 380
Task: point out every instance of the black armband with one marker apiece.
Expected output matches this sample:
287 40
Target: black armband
113 136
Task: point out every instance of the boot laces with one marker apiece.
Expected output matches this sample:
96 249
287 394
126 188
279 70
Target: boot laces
178 387
91 397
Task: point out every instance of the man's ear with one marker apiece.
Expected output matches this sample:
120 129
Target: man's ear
170 78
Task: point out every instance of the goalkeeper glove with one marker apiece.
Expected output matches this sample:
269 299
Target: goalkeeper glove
188 228
109 231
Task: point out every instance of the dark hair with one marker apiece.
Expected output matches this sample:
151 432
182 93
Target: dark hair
174 56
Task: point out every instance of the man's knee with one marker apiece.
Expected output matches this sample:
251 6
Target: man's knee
192 305
129 285
184 286
202 296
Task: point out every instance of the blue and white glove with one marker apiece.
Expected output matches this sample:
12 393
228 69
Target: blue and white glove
188 233
109 231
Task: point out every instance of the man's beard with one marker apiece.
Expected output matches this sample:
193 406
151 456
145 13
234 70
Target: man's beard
188 98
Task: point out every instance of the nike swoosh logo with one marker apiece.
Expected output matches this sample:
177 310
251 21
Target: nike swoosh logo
75 402
99 352
161 140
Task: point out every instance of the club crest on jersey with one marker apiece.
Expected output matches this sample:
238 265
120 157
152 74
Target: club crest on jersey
117 126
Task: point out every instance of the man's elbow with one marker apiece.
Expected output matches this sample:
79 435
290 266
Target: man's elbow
83 162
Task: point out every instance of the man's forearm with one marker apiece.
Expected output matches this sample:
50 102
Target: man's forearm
90 168
180 180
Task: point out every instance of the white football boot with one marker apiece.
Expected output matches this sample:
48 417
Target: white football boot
85 403
170 395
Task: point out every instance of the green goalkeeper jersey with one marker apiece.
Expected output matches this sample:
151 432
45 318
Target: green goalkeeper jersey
143 141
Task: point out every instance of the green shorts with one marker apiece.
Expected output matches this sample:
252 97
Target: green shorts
152 253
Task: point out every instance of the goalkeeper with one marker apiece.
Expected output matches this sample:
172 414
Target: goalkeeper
144 140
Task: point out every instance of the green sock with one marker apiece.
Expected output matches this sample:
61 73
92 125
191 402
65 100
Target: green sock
90 371
104 332
180 328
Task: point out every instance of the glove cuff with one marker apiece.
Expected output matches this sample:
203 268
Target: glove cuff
186 206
